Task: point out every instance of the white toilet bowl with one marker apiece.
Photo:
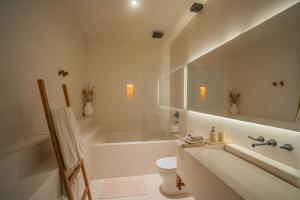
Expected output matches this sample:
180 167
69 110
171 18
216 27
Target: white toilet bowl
167 170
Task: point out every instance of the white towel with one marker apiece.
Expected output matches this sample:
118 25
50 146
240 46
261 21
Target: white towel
185 144
195 137
69 136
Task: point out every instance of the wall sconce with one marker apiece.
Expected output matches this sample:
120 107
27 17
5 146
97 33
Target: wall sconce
130 88
202 92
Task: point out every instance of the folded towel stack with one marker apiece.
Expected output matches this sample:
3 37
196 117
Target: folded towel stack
193 139
185 144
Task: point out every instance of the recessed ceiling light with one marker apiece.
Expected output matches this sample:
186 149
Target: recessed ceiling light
134 3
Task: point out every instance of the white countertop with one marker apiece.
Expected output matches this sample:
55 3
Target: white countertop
249 181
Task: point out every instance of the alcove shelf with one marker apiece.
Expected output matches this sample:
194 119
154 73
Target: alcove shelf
22 145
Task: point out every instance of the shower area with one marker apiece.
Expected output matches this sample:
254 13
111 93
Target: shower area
161 115
132 100
128 92
118 149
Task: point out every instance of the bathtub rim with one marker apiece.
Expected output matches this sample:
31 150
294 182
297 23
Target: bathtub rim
132 143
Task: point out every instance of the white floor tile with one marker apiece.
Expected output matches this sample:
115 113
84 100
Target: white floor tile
153 182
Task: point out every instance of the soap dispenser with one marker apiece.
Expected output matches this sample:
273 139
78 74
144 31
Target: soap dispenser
213 136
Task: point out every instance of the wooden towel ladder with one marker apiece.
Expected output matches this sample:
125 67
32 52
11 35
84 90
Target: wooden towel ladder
68 180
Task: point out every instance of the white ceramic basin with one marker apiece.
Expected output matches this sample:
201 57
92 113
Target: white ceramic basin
285 172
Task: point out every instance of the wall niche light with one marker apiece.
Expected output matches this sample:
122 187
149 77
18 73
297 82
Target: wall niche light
202 92
130 90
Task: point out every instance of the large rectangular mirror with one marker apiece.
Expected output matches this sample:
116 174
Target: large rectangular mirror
254 77
171 89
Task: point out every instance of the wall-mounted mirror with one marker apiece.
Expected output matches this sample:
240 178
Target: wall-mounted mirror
171 89
254 77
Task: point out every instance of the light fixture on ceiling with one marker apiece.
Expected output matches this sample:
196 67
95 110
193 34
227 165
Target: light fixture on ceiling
196 7
134 3
157 34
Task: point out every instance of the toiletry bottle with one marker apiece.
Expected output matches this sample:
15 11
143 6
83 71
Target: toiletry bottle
213 136
221 136
176 118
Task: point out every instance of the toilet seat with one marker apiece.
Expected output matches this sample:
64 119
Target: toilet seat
167 163
167 169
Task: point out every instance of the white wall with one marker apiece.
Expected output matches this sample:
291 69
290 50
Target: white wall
37 38
111 65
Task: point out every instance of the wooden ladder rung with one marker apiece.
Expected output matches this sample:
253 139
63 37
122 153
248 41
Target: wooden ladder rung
85 193
74 174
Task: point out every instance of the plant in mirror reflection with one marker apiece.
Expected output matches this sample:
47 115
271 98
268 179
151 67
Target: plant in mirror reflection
234 99
234 96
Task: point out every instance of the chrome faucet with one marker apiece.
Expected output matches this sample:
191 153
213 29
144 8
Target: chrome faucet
271 142
287 147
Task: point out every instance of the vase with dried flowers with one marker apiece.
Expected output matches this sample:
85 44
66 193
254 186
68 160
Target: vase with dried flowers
234 99
88 96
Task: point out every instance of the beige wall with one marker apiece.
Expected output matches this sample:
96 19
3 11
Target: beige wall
37 38
213 70
275 58
238 132
218 22
111 65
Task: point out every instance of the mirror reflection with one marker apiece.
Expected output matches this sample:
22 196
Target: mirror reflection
255 77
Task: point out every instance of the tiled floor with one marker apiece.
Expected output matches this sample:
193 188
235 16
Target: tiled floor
153 182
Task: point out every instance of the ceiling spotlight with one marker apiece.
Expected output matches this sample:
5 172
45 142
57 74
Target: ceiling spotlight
134 2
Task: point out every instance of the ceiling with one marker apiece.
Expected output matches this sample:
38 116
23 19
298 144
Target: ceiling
118 20
280 25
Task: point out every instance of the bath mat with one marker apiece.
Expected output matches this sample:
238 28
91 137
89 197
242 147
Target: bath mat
123 187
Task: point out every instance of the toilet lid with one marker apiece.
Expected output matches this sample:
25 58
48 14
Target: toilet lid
167 163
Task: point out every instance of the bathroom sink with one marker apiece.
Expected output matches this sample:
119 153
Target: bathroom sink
285 172
249 175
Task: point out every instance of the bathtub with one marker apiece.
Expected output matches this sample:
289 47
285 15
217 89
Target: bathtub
120 154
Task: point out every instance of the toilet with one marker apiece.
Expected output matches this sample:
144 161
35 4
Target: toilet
167 170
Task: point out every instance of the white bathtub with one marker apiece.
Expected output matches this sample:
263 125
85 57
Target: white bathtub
124 154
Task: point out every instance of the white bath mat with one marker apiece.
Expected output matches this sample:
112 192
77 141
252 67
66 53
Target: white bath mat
123 187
